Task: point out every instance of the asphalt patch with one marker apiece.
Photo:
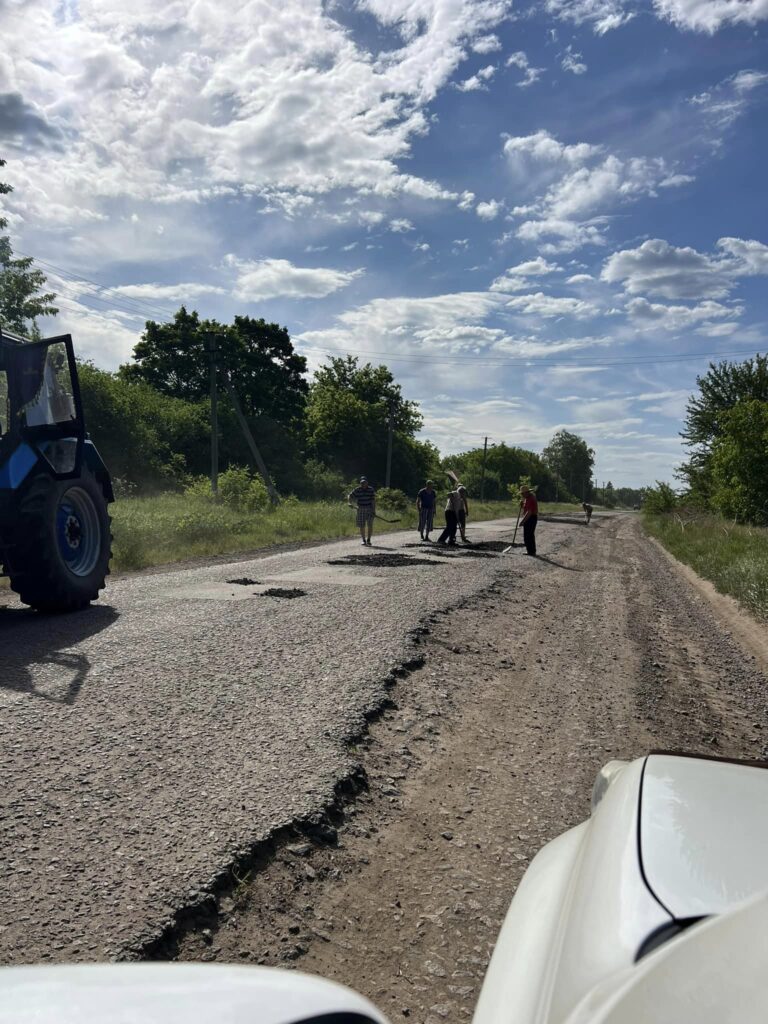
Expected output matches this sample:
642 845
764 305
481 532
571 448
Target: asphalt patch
245 581
381 561
287 592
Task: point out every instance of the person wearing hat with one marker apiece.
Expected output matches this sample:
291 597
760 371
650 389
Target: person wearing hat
530 517
426 500
364 498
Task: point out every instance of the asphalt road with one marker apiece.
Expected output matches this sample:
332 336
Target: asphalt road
185 718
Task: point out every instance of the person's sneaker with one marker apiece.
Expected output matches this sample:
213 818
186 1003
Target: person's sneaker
441 543
365 542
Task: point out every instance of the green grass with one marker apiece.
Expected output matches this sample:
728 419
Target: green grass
734 558
170 527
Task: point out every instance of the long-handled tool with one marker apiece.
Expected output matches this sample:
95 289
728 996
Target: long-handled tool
377 516
514 535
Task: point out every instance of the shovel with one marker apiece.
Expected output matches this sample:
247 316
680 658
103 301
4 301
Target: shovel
514 535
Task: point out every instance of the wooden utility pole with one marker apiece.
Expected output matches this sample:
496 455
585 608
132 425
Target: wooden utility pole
211 338
482 477
390 430
274 497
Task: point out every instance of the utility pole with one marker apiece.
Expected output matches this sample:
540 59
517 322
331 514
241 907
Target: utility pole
482 476
211 338
274 497
390 429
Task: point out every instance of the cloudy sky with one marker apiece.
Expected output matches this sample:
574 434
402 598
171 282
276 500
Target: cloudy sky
545 215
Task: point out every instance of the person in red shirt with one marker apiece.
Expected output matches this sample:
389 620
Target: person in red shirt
529 520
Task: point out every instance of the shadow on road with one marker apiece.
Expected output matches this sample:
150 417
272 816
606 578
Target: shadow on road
560 565
30 641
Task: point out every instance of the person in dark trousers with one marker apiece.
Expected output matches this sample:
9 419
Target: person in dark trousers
364 498
529 520
463 513
425 503
453 506
587 510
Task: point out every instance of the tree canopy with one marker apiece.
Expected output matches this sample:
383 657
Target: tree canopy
22 299
266 371
571 459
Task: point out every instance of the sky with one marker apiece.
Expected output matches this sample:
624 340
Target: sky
540 216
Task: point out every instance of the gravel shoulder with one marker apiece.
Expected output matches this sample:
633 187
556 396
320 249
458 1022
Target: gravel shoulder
486 750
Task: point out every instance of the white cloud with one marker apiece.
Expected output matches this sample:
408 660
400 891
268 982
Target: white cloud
520 60
573 62
515 279
673 318
658 268
539 304
725 102
489 210
602 15
180 103
400 225
580 279
581 184
181 293
466 200
711 15
268 279
486 44
478 81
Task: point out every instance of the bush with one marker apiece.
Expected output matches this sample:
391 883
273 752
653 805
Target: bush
324 484
660 499
391 498
238 489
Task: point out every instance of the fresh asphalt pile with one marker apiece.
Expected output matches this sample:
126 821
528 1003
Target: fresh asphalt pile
152 740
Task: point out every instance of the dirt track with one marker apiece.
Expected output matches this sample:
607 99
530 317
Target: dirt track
488 751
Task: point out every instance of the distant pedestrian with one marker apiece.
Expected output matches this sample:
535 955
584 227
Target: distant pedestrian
587 511
529 520
364 498
426 501
463 513
454 504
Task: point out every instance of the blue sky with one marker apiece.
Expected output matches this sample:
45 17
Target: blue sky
539 216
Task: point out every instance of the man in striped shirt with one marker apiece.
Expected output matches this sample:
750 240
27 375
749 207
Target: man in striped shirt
364 498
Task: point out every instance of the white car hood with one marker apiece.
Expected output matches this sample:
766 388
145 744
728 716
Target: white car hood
703 833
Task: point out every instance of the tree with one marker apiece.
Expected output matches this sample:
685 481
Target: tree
267 373
720 389
504 465
347 424
21 297
571 459
739 463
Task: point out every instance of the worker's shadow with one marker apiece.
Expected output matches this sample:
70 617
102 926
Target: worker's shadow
32 641
560 565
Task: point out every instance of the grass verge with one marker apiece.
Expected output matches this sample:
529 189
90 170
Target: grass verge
734 558
170 527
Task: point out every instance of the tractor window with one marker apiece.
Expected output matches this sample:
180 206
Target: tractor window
54 402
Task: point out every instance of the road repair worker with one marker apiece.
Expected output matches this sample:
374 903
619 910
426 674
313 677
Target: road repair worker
453 505
587 510
463 513
426 500
364 498
529 520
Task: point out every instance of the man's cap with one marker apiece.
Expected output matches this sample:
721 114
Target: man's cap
462 488
363 479
428 482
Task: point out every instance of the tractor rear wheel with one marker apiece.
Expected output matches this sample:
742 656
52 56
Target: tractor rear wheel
63 546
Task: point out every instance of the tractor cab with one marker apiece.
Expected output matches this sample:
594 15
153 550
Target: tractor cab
54 488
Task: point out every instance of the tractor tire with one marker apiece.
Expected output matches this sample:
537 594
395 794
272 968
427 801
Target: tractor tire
63 546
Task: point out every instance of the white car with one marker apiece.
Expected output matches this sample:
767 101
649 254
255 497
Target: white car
653 910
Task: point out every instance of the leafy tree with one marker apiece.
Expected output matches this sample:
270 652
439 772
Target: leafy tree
266 371
571 459
347 424
505 465
660 499
21 297
739 463
720 389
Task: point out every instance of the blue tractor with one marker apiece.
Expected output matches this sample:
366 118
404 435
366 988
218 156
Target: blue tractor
55 540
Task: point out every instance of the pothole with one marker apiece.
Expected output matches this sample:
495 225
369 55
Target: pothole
244 581
383 561
287 592
456 552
